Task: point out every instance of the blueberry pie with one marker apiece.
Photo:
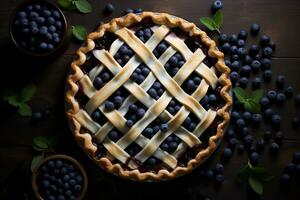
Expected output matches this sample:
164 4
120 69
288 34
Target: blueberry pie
148 97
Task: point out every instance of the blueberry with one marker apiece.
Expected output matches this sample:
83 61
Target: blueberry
246 115
50 47
56 40
234 57
113 135
43 45
51 29
232 143
288 92
255 66
241 43
217 5
264 40
267 135
280 99
29 8
235 115
173 61
267 75
260 145
24 22
245 71
164 127
56 14
285 179
248 140
109 106
248 60
212 98
267 52
46 13
33 15
140 112
253 50
133 108
25 30
280 79
105 76
152 92
234 76
256 119
45 184
79 179
118 101
129 123
295 122
40 20
275 120
98 82
109 8
265 63
138 10
255 29
219 168
256 83
233 39
243 82
58 163
22 14
297 100
129 10
223 38
241 52
254 157
43 30
235 66
209 174
58 24
241 148
272 95
51 197
225 47
264 102
233 50
48 36
164 147
37 7
219 178
227 153
72 182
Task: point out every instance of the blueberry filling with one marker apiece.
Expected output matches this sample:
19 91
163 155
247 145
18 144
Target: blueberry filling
212 99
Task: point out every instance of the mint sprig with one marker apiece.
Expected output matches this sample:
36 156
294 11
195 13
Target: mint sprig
82 6
214 23
249 100
42 145
79 32
255 176
20 100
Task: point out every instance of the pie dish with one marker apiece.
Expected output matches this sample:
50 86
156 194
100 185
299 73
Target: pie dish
148 96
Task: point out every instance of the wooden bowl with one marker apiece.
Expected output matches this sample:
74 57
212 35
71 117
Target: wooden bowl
13 34
36 172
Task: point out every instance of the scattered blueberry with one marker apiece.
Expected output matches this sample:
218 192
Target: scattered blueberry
280 79
288 91
255 29
109 8
217 5
109 106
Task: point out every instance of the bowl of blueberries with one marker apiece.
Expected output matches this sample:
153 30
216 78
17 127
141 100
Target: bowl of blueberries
59 177
38 27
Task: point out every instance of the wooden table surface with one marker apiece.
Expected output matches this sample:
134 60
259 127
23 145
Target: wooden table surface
278 19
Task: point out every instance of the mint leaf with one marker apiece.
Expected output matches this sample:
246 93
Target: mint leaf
67 4
40 142
261 174
218 19
256 95
79 32
8 93
83 6
27 93
243 174
256 185
252 106
14 100
24 110
240 94
208 22
35 161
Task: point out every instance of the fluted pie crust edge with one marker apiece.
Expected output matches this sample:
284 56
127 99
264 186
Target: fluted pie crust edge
72 106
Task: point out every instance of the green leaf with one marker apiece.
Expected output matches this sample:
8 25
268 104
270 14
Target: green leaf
40 142
256 95
14 100
35 161
209 23
261 174
27 93
243 174
218 19
83 6
65 3
24 110
8 93
79 32
256 185
252 106
240 94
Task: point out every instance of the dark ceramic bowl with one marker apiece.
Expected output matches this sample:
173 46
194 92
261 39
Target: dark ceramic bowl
71 160
14 33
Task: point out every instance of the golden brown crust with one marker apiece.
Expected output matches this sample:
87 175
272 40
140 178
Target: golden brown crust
85 139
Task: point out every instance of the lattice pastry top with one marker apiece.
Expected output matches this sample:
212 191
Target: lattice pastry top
148 97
